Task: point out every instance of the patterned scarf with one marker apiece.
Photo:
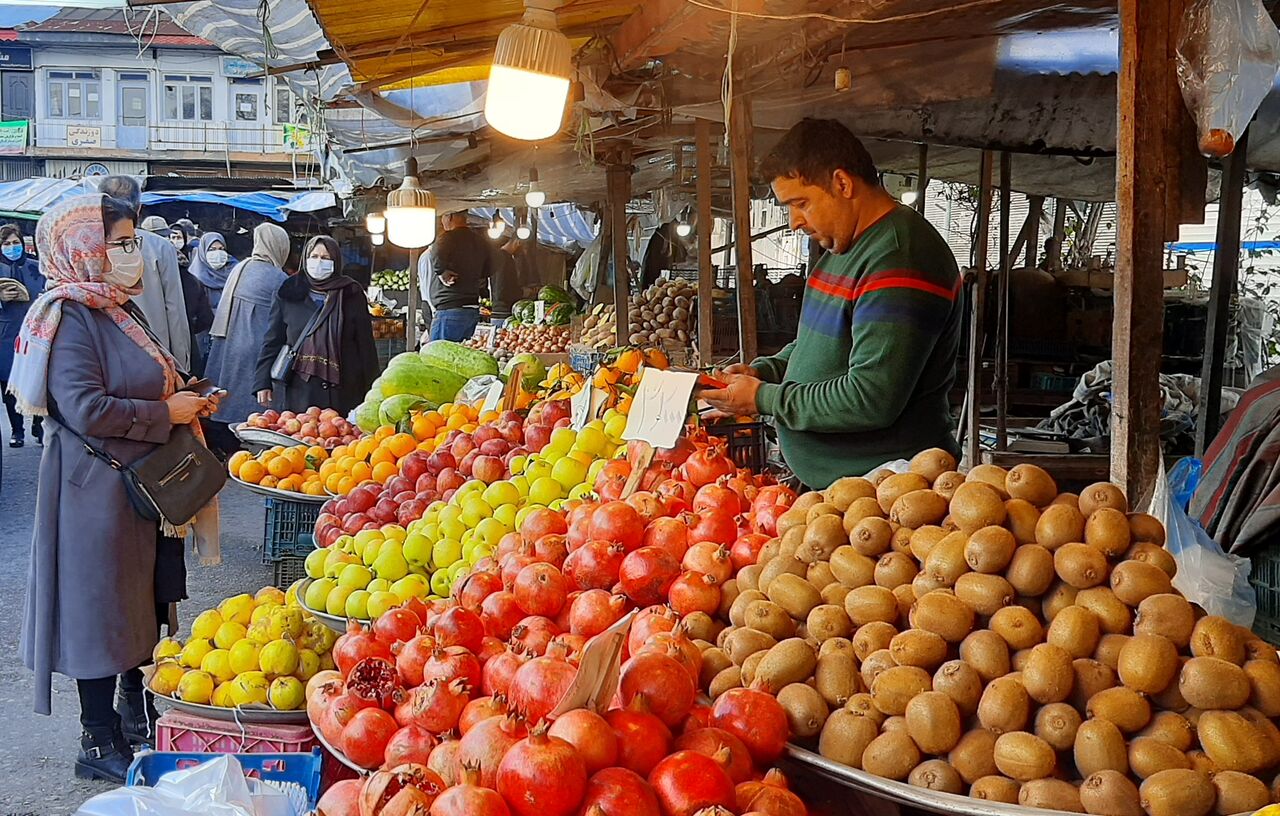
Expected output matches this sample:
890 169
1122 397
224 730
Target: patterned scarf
320 351
72 245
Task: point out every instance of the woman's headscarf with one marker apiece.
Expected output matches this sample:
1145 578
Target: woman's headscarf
271 246
320 351
210 277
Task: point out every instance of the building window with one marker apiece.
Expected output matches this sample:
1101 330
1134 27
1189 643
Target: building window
289 109
75 95
188 98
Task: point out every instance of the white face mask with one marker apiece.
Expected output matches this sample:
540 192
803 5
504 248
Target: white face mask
126 267
217 258
320 268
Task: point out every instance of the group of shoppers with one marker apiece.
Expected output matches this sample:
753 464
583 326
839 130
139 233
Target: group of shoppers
104 351
455 272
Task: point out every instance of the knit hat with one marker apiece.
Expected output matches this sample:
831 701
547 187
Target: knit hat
155 223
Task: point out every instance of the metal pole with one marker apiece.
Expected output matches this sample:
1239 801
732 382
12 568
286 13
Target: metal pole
977 313
1002 325
922 176
411 320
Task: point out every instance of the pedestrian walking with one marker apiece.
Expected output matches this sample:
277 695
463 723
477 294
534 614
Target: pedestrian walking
20 283
199 312
211 264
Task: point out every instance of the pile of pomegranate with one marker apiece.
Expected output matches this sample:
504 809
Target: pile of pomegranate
453 705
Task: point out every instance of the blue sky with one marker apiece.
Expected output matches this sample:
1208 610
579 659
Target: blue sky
11 15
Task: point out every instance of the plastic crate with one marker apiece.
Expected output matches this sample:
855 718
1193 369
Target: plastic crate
1054 383
748 446
191 733
586 361
287 523
288 570
1264 576
300 768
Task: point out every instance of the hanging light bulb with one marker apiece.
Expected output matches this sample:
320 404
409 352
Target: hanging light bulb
523 232
375 223
683 227
411 211
534 197
909 194
496 227
377 238
529 78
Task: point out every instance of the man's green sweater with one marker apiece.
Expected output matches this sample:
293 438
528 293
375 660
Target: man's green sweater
866 379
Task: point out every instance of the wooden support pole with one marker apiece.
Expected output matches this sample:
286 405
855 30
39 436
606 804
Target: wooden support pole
706 274
1033 231
1226 270
977 313
618 179
1059 234
740 137
1001 378
414 293
922 176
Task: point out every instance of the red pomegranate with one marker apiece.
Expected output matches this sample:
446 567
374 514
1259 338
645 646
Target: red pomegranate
357 643
694 592
670 534
459 627
484 746
594 565
746 549
469 798
566 646
612 479
412 743
435 705
533 633
648 505
591 735
716 525
687 781
538 685
647 623
364 738
756 718
619 792
646 574
542 776
498 671
396 626
595 611
444 758
500 614
404 790
661 680
341 799
551 548
643 739
471 591
542 522
717 495
490 647
452 663
376 682
540 589
677 644
770 796
481 708
709 559
410 657
619 523
707 465
712 742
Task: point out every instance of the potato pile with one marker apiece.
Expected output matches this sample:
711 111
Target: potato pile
600 327
664 311
985 635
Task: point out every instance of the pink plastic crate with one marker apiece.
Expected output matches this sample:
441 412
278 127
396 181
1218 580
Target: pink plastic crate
190 733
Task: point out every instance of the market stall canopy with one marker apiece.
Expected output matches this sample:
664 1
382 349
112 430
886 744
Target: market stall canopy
561 225
31 197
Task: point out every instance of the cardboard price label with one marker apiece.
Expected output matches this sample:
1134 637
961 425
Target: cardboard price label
539 311
493 397
660 407
485 333
581 407
598 670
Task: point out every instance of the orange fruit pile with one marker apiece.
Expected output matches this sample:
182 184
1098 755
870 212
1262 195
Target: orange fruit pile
295 469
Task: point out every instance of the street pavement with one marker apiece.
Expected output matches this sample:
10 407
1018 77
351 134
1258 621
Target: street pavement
37 753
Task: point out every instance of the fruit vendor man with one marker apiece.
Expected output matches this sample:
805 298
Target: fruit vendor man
867 377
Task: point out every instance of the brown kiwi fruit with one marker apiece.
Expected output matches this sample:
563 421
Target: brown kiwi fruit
1080 565
863 704
730 678
1068 498
872 637
768 617
858 510
772 548
1019 627
1168 615
835 594
1269 732
822 537
918 647
1218 637
987 653
1030 570
934 722
1021 519
945 485
984 594
729 592
995 788
852 568
748 578
1019 661
714 661
738 611
1099 746
791 540
794 594
1114 617
782 565
806 710
871 603
993 475
845 736
1151 554
1023 756
894 687
918 508
1102 494
808 499
790 661
1255 648
897 485
1005 706
843 646
976 505
827 621
1177 792
791 519
836 678
820 575
1135 581
891 755
1239 793
1264 684
1108 530
1091 677
1047 674
1109 648
1059 524
946 561
1200 762
871 537
973 756
749 667
1125 707
843 492
922 540
1148 756
1210 682
820 509
1233 742
1076 630
895 569
1057 724
932 463
962 683
741 643
1148 663
906 595
1031 484
701 626
1144 527
989 549
875 664
1059 596
936 775
1110 793
942 613
1171 698
1171 728
1050 794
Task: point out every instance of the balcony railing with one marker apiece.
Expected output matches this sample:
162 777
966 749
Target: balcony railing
200 137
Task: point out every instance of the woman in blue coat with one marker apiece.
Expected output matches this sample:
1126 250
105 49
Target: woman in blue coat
15 265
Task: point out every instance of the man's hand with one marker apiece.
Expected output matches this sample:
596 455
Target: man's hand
448 277
742 368
738 398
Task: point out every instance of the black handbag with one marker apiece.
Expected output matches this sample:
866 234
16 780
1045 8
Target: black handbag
282 368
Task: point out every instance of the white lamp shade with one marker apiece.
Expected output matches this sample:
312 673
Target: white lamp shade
909 197
377 238
684 229
496 229
525 104
375 223
411 227
523 232
535 198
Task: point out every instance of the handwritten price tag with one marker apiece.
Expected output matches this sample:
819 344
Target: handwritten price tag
660 406
485 333
580 405
539 311
493 398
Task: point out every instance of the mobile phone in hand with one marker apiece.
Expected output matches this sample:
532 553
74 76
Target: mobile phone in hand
204 387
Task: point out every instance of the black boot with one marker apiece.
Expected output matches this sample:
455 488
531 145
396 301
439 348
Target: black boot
138 716
104 754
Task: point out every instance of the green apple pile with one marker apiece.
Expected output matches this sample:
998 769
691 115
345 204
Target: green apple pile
364 575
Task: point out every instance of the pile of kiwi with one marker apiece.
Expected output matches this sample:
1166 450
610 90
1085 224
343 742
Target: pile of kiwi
982 634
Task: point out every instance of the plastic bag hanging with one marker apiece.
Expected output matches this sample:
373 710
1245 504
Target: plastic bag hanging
1228 55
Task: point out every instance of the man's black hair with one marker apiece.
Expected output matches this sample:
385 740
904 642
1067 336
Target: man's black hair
115 210
814 149
125 188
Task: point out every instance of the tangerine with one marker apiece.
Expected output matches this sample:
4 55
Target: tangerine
333 482
318 452
269 481
313 488
361 471
383 471
252 471
382 455
237 460
345 485
383 432
280 467
456 421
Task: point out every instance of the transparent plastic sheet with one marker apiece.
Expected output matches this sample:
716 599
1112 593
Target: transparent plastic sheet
214 788
1228 55
476 389
1216 580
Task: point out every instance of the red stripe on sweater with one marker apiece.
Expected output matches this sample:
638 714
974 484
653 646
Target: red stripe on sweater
904 283
845 289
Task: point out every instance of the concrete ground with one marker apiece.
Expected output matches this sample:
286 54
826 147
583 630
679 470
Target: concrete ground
37 753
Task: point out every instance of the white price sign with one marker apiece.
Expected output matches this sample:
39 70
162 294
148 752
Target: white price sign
539 311
660 407
493 398
580 405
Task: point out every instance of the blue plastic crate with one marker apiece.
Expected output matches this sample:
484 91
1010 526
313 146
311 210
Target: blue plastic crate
303 769
289 529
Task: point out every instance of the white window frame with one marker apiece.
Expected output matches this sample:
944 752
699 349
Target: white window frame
173 108
295 112
87 86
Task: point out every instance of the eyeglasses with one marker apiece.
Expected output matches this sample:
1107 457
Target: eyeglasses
127 244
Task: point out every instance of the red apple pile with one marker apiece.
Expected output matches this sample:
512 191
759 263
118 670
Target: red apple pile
315 426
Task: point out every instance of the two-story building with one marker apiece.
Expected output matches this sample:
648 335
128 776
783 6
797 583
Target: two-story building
103 92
